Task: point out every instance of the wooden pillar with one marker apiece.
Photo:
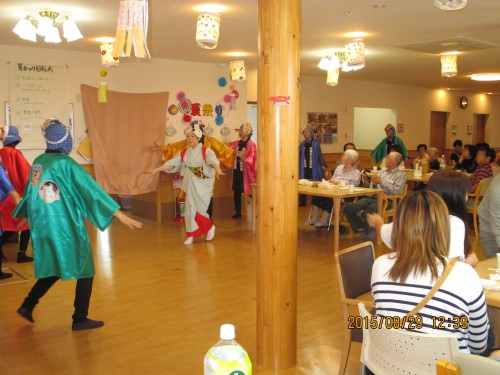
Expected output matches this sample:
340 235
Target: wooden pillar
278 75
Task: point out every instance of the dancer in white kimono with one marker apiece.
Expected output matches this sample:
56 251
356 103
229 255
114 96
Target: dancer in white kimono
198 165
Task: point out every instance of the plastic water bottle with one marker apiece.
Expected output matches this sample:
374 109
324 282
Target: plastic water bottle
227 357
442 164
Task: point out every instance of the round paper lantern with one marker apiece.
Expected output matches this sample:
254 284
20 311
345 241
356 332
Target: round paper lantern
207 30
449 66
355 53
107 58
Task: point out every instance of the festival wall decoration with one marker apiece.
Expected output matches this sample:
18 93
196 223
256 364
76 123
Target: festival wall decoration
325 126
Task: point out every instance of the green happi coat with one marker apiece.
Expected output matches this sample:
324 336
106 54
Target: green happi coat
380 151
58 196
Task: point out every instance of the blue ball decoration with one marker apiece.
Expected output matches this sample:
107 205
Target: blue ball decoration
222 82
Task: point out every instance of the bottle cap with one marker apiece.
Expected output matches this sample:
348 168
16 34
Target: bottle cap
227 332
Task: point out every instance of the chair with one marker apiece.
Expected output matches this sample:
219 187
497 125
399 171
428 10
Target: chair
354 270
388 213
474 200
398 351
468 364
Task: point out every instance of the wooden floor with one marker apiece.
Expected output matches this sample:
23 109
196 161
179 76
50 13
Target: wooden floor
163 303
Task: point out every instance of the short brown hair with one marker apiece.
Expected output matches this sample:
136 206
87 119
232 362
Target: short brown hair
421 235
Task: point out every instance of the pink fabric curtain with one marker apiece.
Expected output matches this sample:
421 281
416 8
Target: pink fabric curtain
122 133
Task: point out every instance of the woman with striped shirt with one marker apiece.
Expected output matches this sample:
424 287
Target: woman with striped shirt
400 280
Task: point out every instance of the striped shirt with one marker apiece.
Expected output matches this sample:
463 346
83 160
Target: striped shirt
350 176
460 295
482 171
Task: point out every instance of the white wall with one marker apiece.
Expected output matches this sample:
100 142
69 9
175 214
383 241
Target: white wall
197 80
367 121
412 104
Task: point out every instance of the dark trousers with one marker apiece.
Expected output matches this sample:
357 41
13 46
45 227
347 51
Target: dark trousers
210 209
237 189
326 204
24 239
356 213
82 295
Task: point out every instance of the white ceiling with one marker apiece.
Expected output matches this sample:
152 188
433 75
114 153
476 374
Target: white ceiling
173 23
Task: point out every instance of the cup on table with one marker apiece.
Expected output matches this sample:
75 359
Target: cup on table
341 183
375 168
351 190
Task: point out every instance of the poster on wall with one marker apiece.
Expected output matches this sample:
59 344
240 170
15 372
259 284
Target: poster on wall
325 126
36 92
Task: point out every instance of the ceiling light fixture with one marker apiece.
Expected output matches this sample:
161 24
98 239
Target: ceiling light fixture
486 77
379 6
207 30
47 26
355 34
449 66
450 4
329 63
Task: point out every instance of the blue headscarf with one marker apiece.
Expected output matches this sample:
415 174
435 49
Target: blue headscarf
12 136
58 136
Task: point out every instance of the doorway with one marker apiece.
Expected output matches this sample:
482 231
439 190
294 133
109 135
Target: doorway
438 130
252 119
479 128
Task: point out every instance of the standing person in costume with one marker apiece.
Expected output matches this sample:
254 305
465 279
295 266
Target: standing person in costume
223 152
198 165
6 190
17 169
58 196
244 167
312 165
384 147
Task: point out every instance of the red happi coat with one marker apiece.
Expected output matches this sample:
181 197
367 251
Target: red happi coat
18 170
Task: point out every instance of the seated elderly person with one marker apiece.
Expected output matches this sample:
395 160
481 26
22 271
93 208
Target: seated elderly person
347 174
392 180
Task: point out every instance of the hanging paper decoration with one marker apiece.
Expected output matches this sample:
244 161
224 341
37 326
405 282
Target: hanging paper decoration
449 65
332 77
107 58
225 131
102 93
209 130
186 118
132 29
173 109
103 73
235 93
219 119
207 30
355 53
170 131
232 102
222 82
237 70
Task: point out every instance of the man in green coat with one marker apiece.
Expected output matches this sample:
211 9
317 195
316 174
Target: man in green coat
58 196
384 148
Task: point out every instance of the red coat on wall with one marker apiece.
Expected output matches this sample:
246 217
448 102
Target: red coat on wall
18 170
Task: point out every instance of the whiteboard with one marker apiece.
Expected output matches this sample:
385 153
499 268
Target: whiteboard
36 92
369 124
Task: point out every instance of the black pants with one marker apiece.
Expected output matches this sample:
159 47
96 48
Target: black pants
238 188
326 204
210 209
24 239
82 295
